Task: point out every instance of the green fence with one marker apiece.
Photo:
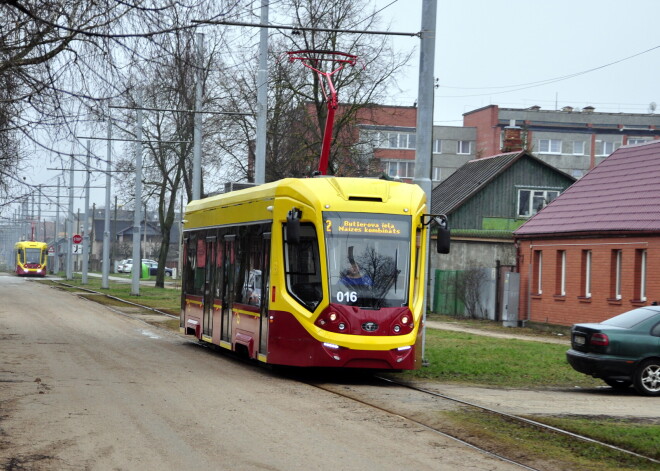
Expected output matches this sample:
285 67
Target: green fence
445 300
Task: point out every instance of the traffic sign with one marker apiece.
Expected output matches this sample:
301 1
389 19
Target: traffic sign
77 238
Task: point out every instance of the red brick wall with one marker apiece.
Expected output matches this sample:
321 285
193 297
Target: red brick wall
488 134
405 116
572 308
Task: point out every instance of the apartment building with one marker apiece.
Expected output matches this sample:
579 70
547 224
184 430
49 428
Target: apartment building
571 140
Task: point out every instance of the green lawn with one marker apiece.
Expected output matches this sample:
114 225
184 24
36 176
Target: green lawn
470 358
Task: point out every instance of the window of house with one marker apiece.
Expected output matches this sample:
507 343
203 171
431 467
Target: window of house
437 174
586 273
560 285
637 140
606 147
398 140
531 202
437 146
578 147
400 168
464 147
390 139
615 274
537 280
550 146
640 274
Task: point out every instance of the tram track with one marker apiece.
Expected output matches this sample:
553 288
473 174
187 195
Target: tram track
352 392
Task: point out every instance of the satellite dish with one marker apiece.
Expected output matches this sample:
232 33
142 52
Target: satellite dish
652 107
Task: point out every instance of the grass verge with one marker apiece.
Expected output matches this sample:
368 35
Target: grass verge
163 299
470 358
550 450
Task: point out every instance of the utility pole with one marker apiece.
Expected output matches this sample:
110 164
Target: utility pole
105 264
197 137
69 235
423 152
262 99
85 226
39 216
56 260
137 259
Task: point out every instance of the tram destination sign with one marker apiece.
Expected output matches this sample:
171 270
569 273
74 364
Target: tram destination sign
338 224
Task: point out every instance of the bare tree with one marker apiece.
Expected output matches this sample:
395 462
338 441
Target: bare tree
469 285
297 106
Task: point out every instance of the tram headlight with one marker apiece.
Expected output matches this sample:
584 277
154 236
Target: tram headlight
333 316
397 329
341 326
404 320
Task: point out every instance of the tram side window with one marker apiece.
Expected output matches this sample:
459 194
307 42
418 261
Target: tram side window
303 269
248 268
194 276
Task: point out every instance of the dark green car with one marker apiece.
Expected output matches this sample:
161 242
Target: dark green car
622 351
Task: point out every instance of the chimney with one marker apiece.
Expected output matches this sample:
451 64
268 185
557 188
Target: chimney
512 138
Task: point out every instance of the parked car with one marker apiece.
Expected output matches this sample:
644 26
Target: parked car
128 266
622 351
153 269
122 265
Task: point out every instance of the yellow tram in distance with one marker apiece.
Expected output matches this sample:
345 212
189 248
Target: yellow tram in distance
322 271
31 258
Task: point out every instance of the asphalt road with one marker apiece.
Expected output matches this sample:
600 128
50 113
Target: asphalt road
82 387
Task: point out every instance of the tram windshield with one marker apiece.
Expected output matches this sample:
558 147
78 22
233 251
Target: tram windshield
368 258
32 255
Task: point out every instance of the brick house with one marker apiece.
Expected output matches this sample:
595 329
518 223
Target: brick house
584 257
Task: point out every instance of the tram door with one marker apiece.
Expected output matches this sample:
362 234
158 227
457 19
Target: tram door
229 281
207 322
265 294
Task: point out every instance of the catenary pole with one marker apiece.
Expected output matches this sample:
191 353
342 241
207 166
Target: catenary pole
262 99
69 227
137 259
425 124
56 244
85 226
105 265
197 136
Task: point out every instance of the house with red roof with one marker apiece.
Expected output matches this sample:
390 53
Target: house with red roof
586 256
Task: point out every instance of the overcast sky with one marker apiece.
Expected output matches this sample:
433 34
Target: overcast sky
492 52
518 53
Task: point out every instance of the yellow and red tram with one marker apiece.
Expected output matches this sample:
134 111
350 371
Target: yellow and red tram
309 272
30 258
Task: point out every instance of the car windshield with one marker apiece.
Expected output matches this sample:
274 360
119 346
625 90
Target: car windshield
631 318
368 258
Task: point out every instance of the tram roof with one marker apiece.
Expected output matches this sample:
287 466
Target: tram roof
316 191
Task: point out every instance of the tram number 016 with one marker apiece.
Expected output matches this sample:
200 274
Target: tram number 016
348 296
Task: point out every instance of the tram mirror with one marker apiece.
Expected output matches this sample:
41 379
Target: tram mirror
443 236
443 240
293 226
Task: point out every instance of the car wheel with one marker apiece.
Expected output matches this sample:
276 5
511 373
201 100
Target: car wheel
618 384
647 378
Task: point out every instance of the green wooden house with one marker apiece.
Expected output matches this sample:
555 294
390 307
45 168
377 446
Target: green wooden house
498 193
485 200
